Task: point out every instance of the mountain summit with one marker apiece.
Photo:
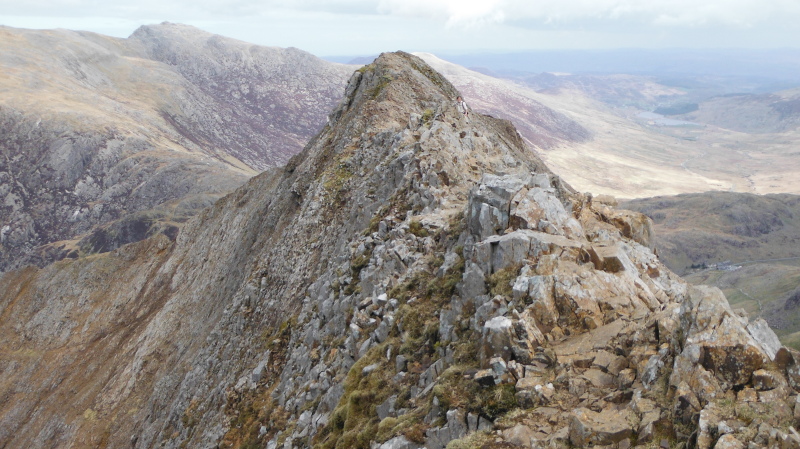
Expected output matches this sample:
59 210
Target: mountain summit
413 278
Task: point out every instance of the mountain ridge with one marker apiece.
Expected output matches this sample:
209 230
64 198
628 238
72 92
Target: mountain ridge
410 278
104 145
142 133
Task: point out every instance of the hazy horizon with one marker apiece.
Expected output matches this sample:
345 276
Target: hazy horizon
363 27
762 67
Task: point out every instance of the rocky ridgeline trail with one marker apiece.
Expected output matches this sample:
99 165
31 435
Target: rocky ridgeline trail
506 310
411 279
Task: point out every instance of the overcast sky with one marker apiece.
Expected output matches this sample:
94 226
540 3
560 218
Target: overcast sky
365 27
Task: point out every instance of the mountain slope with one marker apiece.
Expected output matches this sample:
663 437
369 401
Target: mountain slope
409 278
747 245
713 227
762 113
543 127
109 140
621 153
261 104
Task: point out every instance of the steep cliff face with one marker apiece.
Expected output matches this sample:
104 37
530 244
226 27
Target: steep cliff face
410 279
105 141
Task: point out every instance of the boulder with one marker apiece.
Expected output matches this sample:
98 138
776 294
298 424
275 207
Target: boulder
521 287
764 380
602 359
543 306
499 251
764 336
527 329
652 369
537 208
633 225
576 386
258 371
689 374
721 343
528 383
485 377
608 200
647 425
606 427
367 370
686 403
473 283
496 338
788 360
707 428
400 442
747 394
611 258
576 298
626 378
509 249
489 204
728 441
386 408
456 427
497 190
540 180
519 435
598 378
498 366
485 220
731 359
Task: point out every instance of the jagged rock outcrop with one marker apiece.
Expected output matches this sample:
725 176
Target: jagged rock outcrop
411 279
105 141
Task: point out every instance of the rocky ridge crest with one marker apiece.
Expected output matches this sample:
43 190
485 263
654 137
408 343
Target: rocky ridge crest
411 279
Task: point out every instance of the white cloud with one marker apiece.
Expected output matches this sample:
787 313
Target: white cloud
361 26
452 12
563 12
